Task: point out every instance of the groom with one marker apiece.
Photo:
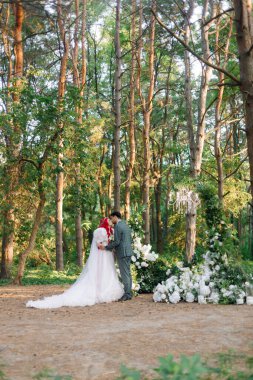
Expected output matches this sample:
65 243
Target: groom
123 248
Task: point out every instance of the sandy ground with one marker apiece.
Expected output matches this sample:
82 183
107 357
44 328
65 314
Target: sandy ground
91 342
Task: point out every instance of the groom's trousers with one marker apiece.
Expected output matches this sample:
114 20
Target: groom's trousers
125 273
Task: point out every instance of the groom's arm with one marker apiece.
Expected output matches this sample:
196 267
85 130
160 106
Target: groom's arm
116 242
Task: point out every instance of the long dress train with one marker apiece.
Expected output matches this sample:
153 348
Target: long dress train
97 283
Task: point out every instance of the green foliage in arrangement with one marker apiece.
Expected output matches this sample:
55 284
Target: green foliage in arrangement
211 204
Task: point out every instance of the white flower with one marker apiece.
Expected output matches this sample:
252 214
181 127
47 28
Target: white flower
204 290
189 297
168 272
217 267
157 297
161 288
214 297
163 296
133 258
144 264
136 287
174 297
201 299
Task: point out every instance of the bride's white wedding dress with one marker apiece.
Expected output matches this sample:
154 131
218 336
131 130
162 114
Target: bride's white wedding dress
97 283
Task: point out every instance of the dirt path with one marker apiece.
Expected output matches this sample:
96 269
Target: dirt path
91 342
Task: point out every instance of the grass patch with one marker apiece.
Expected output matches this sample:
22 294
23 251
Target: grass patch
46 275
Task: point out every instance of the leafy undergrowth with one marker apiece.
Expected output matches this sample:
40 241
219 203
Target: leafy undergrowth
228 366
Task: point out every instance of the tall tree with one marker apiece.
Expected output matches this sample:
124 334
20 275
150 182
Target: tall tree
131 128
147 107
79 79
244 36
60 175
218 113
12 133
196 142
118 73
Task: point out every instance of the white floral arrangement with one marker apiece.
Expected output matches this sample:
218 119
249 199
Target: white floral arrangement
142 258
204 283
143 254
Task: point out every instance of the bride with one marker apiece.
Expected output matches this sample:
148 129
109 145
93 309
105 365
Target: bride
98 281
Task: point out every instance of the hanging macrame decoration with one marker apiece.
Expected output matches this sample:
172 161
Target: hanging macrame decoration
187 201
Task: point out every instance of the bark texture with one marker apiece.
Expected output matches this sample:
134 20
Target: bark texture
60 175
244 36
12 138
116 161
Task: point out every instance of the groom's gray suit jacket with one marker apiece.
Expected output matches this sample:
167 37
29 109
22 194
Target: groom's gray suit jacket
122 242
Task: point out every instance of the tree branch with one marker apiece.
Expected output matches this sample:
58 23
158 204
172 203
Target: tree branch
187 47
236 169
219 15
29 161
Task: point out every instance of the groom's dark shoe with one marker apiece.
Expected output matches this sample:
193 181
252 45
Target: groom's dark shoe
125 298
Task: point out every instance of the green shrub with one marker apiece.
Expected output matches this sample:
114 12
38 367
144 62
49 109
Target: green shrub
194 368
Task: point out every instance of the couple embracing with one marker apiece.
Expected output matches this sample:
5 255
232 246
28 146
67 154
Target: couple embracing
98 281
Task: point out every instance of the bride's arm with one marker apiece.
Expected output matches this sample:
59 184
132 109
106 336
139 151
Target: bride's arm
100 237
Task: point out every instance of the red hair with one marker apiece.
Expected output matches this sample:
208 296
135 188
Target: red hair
104 223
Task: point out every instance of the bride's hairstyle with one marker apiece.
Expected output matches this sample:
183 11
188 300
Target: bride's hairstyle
116 213
104 223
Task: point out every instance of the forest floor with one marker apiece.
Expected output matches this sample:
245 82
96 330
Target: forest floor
92 342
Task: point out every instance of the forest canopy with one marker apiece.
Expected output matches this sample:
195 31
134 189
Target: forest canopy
141 106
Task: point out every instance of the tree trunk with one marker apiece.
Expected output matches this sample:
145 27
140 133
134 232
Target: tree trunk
131 131
217 139
100 184
79 79
196 152
244 36
205 79
109 195
147 105
188 89
12 140
60 175
35 228
167 199
190 234
116 168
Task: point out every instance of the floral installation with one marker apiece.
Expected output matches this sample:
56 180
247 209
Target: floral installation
143 256
215 280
